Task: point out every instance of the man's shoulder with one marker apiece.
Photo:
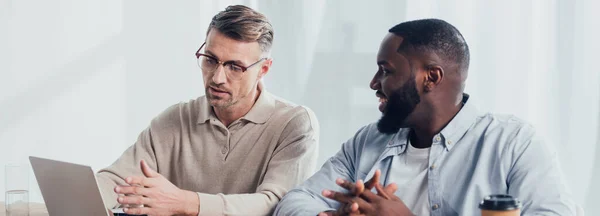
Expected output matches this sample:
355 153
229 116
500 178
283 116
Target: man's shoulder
286 105
503 122
509 128
285 109
369 136
178 114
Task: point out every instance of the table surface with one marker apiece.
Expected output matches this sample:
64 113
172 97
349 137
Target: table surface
35 209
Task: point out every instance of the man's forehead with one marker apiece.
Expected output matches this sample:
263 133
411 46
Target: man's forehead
388 50
392 41
225 47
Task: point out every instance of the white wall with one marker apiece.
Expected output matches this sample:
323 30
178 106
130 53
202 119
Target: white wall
79 79
61 91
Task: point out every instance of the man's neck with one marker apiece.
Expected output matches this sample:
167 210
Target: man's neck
422 134
235 112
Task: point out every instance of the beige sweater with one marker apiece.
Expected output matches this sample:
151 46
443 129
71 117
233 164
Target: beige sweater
243 169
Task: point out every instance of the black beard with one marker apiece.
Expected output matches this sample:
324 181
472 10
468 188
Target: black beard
400 105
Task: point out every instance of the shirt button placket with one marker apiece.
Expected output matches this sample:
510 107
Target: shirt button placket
225 147
433 174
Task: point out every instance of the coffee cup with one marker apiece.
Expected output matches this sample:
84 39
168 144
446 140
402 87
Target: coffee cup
500 205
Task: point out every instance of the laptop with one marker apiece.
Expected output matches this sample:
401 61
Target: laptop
69 189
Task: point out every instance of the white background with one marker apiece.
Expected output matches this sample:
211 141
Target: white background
79 79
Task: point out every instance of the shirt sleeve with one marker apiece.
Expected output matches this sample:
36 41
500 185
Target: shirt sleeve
536 179
143 149
127 165
306 199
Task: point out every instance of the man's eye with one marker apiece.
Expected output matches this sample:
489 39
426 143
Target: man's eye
235 68
210 60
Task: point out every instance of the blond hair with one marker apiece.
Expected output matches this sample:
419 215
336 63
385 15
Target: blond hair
244 24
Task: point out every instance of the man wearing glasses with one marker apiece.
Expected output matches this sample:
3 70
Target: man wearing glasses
236 151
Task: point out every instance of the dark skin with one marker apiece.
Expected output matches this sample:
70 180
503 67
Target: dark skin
358 192
439 84
369 203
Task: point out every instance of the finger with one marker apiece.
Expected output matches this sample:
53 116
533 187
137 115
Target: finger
351 208
352 188
395 198
327 213
137 211
370 196
337 196
139 181
354 208
364 207
391 188
381 192
133 200
148 172
374 180
339 212
391 191
135 190
360 187
345 209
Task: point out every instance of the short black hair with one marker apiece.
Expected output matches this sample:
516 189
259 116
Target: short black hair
437 36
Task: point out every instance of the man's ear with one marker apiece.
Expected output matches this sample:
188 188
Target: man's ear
434 75
265 67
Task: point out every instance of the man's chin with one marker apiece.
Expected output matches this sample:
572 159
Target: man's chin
385 126
220 103
391 123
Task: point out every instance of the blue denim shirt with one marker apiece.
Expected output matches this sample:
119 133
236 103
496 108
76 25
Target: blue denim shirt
475 155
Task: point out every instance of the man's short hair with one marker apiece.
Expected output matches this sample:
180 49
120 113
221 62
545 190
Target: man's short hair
244 24
436 36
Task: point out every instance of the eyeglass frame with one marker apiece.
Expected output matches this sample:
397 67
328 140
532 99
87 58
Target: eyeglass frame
222 63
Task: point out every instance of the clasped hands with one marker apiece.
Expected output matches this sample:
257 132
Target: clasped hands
361 201
153 194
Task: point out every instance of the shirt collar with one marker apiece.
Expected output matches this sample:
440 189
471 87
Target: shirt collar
263 107
456 128
259 113
400 138
205 112
460 124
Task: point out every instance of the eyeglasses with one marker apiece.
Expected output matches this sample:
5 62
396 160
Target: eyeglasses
210 64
